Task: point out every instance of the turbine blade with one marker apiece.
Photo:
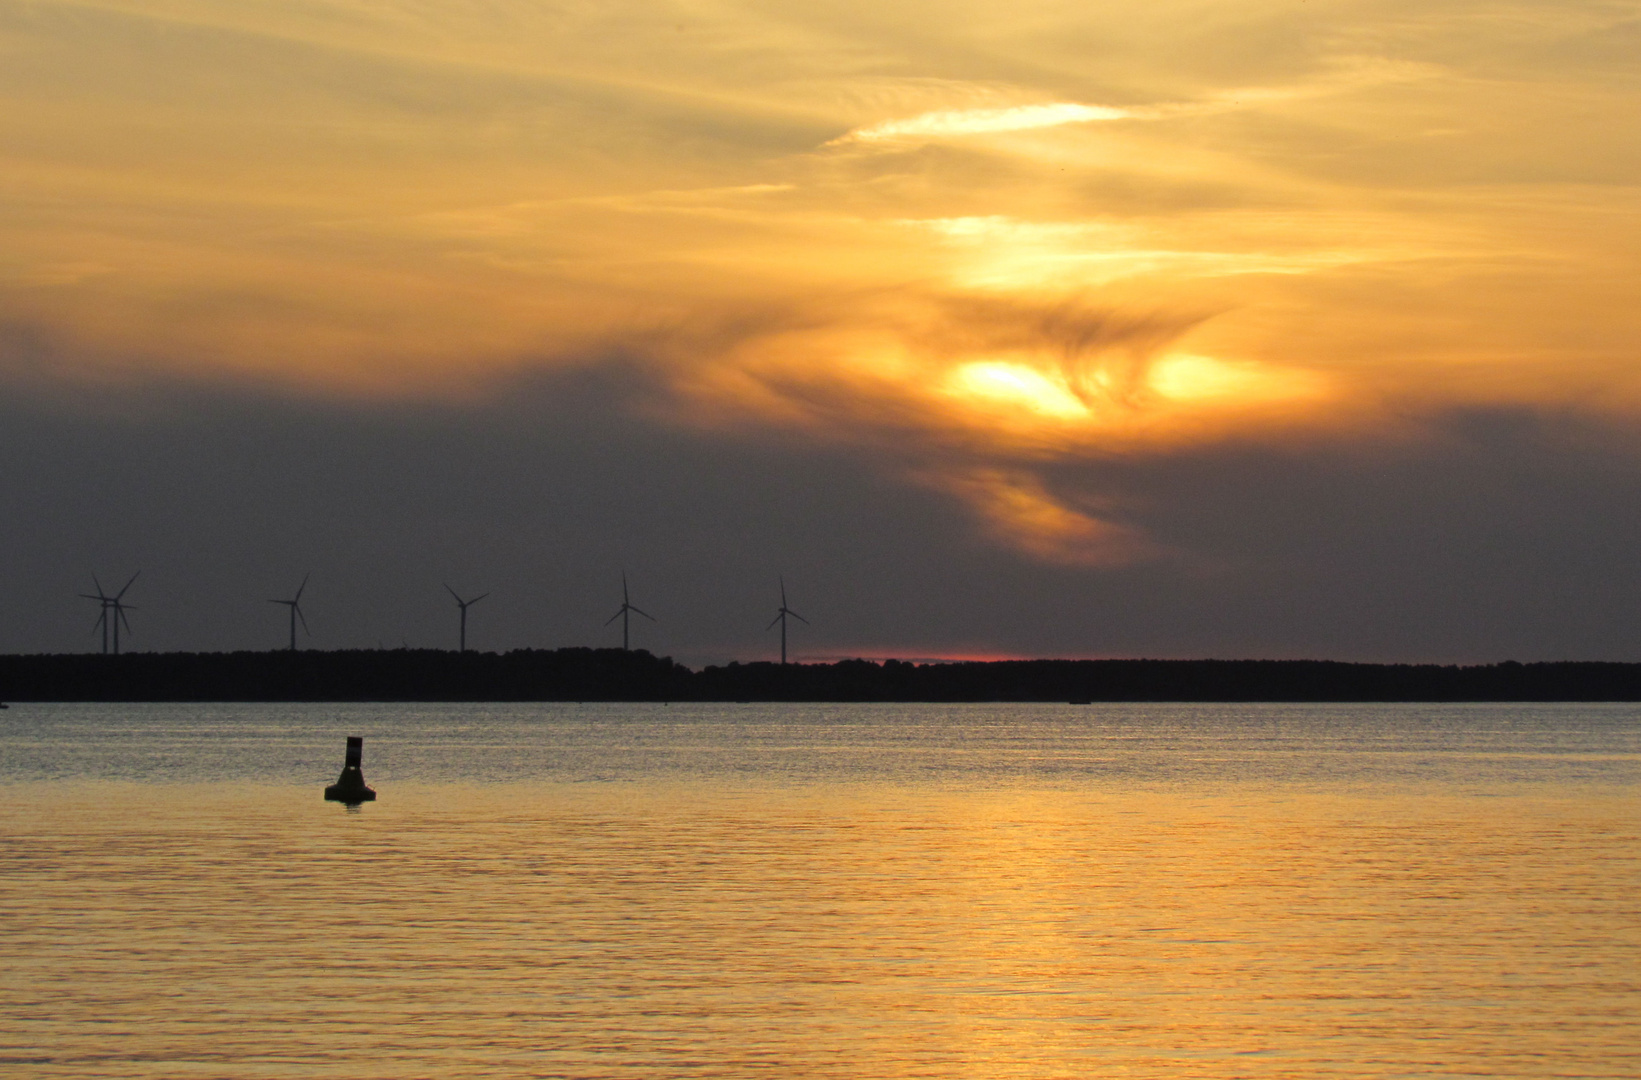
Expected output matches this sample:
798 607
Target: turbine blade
452 592
97 583
783 591
798 617
477 598
773 621
646 614
614 617
127 585
303 619
88 596
302 586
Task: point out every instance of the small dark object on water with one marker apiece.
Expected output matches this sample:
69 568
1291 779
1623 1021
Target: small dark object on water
350 786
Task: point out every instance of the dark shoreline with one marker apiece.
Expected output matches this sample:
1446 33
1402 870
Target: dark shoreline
613 675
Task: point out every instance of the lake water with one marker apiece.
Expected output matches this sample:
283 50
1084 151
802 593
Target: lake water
871 891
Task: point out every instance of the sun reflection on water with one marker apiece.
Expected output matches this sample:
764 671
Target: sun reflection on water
836 891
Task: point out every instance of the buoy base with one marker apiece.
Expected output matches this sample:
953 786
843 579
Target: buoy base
350 788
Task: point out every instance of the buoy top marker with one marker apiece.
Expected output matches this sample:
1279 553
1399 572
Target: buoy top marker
350 786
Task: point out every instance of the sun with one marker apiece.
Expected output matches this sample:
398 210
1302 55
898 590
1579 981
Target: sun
1020 386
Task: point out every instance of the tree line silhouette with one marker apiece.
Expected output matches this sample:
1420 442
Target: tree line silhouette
583 674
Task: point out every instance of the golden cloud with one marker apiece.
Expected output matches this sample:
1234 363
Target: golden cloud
910 233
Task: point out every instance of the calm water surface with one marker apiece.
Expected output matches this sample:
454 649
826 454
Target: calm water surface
641 891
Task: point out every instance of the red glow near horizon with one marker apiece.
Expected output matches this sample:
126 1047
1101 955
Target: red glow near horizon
877 657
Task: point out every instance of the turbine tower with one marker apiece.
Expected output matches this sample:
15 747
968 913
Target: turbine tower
295 604
464 605
624 613
113 612
780 617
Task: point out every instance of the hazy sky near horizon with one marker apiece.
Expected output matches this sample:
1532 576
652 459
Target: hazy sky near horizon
1188 328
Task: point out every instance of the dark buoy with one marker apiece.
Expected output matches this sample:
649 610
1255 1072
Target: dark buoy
350 786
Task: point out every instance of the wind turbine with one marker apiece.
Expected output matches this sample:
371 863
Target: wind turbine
464 605
624 614
780 617
118 609
295 604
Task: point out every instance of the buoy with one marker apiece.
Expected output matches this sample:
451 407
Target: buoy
350 786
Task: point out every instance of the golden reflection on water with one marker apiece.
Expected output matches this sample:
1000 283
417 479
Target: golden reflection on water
670 929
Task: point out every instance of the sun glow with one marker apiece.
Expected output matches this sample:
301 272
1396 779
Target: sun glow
1019 386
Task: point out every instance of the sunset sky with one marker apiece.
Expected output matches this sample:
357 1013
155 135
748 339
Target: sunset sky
1262 328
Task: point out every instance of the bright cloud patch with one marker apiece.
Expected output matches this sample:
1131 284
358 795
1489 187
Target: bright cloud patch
1204 380
1021 386
985 121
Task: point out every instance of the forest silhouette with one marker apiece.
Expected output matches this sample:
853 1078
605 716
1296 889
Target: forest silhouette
583 674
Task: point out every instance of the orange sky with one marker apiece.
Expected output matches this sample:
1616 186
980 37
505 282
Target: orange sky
976 240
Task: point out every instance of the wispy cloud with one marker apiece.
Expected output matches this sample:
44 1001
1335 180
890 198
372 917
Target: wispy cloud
1017 508
955 122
